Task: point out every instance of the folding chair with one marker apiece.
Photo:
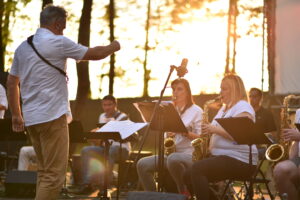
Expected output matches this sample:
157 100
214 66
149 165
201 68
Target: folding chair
258 178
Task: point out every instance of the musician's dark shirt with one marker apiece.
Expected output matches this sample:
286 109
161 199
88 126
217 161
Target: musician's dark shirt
265 120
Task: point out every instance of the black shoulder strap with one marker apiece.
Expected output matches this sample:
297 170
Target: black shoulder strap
118 113
29 41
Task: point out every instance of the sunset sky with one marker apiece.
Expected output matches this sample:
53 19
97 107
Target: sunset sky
200 38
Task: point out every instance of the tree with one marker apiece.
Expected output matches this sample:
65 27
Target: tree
231 37
83 88
111 11
7 11
147 71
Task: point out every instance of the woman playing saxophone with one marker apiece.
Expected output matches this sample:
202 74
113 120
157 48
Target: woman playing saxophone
179 160
229 159
287 172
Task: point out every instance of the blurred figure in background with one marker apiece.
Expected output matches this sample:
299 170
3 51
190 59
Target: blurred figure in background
94 154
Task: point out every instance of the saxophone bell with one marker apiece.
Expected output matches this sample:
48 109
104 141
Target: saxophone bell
169 146
280 151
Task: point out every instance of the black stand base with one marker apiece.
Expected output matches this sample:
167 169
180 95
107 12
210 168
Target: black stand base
103 196
64 194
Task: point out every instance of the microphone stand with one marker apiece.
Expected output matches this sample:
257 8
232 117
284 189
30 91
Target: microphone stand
161 136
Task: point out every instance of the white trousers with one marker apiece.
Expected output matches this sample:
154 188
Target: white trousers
27 156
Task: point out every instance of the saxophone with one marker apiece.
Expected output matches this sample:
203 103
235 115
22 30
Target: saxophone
201 144
280 151
169 146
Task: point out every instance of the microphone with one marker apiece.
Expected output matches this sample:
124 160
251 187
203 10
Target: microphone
182 70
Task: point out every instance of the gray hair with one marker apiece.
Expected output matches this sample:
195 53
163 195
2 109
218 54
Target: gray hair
51 13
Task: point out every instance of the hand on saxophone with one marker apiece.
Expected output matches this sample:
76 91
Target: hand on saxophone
207 129
170 134
290 134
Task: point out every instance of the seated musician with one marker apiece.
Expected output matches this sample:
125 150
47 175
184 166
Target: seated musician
263 117
95 152
27 159
177 162
287 172
3 101
228 160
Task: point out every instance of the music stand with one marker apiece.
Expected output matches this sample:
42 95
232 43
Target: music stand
117 131
166 119
244 132
7 134
10 143
76 133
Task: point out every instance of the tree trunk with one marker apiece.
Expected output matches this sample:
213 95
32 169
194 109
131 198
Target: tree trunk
45 2
1 37
147 71
271 23
83 89
6 10
111 11
231 37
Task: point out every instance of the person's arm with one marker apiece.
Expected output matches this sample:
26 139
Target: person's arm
13 94
292 135
294 150
2 107
100 52
190 135
210 129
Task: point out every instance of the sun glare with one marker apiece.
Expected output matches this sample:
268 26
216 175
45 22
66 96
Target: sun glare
201 38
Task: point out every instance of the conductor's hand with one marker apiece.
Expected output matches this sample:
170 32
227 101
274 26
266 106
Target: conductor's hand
17 123
290 134
116 45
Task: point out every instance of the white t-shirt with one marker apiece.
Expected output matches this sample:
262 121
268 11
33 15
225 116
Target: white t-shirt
44 90
191 118
297 117
119 117
3 101
222 146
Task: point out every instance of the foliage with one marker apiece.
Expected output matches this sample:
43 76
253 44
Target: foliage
8 10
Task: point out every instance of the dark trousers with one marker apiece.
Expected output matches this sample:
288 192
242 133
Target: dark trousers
213 169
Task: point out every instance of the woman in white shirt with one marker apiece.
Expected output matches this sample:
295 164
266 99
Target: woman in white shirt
287 172
177 162
228 159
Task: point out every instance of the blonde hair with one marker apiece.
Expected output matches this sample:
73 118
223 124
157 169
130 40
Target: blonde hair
236 87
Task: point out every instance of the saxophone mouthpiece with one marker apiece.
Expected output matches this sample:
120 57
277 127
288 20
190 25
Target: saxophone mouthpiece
218 98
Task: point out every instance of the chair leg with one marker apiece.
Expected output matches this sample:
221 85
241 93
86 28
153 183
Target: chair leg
267 185
225 189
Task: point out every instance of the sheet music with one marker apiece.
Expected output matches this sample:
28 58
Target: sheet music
125 128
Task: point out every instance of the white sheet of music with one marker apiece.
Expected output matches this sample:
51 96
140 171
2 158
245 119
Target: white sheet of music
125 128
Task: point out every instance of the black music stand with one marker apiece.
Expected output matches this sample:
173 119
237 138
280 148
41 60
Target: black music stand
244 132
113 130
76 133
7 134
166 119
10 143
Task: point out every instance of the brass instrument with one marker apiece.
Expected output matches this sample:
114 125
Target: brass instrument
280 151
201 144
169 145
